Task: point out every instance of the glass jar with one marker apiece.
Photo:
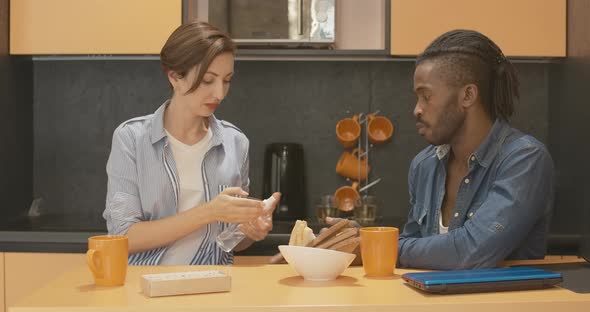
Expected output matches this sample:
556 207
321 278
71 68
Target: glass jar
365 211
326 207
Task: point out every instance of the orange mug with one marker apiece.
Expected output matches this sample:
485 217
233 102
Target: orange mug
380 129
347 197
107 259
348 131
348 165
379 250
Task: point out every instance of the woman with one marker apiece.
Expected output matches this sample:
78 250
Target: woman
178 177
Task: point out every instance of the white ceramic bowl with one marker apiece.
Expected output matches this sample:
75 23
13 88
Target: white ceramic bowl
316 264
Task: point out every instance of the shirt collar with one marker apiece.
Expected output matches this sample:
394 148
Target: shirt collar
442 151
158 133
488 149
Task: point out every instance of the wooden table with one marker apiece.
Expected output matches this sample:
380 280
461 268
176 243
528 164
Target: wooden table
279 288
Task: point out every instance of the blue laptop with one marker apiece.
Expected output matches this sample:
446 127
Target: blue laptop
483 280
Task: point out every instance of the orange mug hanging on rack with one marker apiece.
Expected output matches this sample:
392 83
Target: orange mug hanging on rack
348 131
353 165
347 197
380 129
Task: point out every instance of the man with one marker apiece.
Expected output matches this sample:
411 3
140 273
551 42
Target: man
482 191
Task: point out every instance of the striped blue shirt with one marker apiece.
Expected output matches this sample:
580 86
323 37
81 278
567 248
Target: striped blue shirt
143 182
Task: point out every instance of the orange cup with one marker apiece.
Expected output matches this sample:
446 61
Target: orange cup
346 197
380 129
107 259
379 250
348 131
348 166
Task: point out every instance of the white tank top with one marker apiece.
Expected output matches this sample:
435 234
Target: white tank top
441 228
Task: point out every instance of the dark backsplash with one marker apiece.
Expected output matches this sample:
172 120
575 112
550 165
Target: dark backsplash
78 104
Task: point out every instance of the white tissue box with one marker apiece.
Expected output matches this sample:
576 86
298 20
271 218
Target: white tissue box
182 283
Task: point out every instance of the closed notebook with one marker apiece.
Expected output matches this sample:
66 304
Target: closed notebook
483 280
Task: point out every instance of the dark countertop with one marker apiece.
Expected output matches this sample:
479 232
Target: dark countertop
35 241
69 234
76 242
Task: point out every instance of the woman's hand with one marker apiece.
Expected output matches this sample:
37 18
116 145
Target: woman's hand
228 207
258 229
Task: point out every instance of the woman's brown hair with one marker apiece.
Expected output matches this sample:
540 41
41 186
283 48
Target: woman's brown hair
194 44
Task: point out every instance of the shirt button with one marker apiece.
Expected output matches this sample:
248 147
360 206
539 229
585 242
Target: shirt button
467 181
456 214
472 158
471 214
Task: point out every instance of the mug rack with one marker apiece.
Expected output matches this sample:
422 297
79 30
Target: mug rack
377 130
364 140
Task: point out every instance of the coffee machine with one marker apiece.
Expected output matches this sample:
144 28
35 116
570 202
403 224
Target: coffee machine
284 172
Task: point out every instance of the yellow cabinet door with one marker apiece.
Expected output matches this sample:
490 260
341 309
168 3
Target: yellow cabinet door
25 272
520 27
41 27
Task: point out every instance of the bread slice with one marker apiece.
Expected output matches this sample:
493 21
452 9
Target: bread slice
336 237
331 231
342 235
347 245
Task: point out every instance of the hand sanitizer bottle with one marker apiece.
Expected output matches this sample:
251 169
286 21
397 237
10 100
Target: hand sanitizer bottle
232 236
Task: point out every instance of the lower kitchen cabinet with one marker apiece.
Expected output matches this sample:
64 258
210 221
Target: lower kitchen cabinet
25 272
2 306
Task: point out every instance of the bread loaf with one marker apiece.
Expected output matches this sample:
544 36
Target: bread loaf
301 235
338 237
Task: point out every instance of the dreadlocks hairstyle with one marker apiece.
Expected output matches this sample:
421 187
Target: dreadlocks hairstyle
466 56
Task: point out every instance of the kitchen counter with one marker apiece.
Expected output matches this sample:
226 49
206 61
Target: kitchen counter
69 234
77 242
279 288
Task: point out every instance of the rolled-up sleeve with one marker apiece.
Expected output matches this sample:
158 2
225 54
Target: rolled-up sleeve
123 206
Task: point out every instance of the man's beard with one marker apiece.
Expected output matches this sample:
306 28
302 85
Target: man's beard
448 124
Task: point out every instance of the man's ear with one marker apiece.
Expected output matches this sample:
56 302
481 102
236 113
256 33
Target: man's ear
468 95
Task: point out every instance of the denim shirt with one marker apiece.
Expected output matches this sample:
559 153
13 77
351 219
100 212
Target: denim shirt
143 181
502 209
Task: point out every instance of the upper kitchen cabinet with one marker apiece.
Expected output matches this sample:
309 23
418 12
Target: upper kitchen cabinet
300 27
41 27
361 25
522 28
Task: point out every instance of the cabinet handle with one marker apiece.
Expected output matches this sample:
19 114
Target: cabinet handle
300 19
